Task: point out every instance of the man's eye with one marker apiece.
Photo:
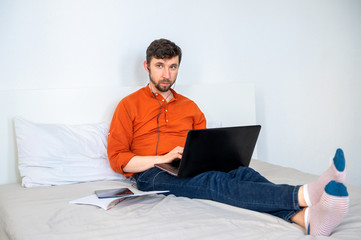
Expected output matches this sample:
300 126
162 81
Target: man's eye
159 66
173 67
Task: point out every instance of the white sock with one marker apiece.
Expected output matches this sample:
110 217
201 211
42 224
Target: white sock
337 171
322 218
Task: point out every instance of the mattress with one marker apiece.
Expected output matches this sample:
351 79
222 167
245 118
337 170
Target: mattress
45 213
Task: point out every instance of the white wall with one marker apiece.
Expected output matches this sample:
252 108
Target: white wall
303 56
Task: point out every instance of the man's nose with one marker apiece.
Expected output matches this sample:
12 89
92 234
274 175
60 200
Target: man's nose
166 73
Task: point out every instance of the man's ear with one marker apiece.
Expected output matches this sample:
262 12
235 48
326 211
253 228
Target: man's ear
146 66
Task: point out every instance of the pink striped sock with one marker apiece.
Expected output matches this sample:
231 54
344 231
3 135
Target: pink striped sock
322 218
337 171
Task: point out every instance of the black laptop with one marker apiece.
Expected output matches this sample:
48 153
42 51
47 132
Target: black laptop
219 149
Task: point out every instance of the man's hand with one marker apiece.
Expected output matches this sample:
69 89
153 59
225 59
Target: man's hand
175 154
142 163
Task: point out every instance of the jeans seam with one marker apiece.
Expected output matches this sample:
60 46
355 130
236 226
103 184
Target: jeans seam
153 180
295 201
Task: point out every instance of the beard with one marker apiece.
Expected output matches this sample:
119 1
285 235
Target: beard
160 87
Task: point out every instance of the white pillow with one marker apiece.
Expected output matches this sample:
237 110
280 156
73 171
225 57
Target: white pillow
56 154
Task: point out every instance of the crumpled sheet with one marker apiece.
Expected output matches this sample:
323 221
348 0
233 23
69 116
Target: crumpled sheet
44 213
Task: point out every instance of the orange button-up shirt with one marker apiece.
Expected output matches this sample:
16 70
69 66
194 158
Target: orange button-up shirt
134 129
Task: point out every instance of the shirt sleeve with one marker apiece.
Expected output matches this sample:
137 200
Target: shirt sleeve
120 139
200 121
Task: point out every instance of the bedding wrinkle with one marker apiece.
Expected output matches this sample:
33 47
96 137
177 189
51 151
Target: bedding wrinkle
151 217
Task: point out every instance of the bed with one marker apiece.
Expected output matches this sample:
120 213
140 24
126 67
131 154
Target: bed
38 210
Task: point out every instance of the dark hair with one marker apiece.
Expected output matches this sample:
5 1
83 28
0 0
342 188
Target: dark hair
163 49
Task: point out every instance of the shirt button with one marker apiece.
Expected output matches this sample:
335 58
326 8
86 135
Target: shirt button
166 110
163 100
166 120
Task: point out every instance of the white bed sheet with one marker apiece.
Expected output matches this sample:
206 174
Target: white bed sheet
45 213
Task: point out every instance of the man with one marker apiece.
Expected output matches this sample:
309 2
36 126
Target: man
150 126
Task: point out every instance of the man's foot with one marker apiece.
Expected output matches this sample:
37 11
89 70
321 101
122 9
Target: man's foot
322 218
337 171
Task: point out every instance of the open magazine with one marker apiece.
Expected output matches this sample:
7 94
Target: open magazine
110 197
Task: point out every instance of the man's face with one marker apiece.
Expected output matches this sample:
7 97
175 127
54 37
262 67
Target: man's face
162 73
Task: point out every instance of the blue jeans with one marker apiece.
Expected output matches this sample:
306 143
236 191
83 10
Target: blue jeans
242 187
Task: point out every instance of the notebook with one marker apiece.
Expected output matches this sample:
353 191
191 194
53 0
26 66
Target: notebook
218 149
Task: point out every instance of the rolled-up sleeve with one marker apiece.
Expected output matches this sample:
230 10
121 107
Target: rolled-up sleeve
120 139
